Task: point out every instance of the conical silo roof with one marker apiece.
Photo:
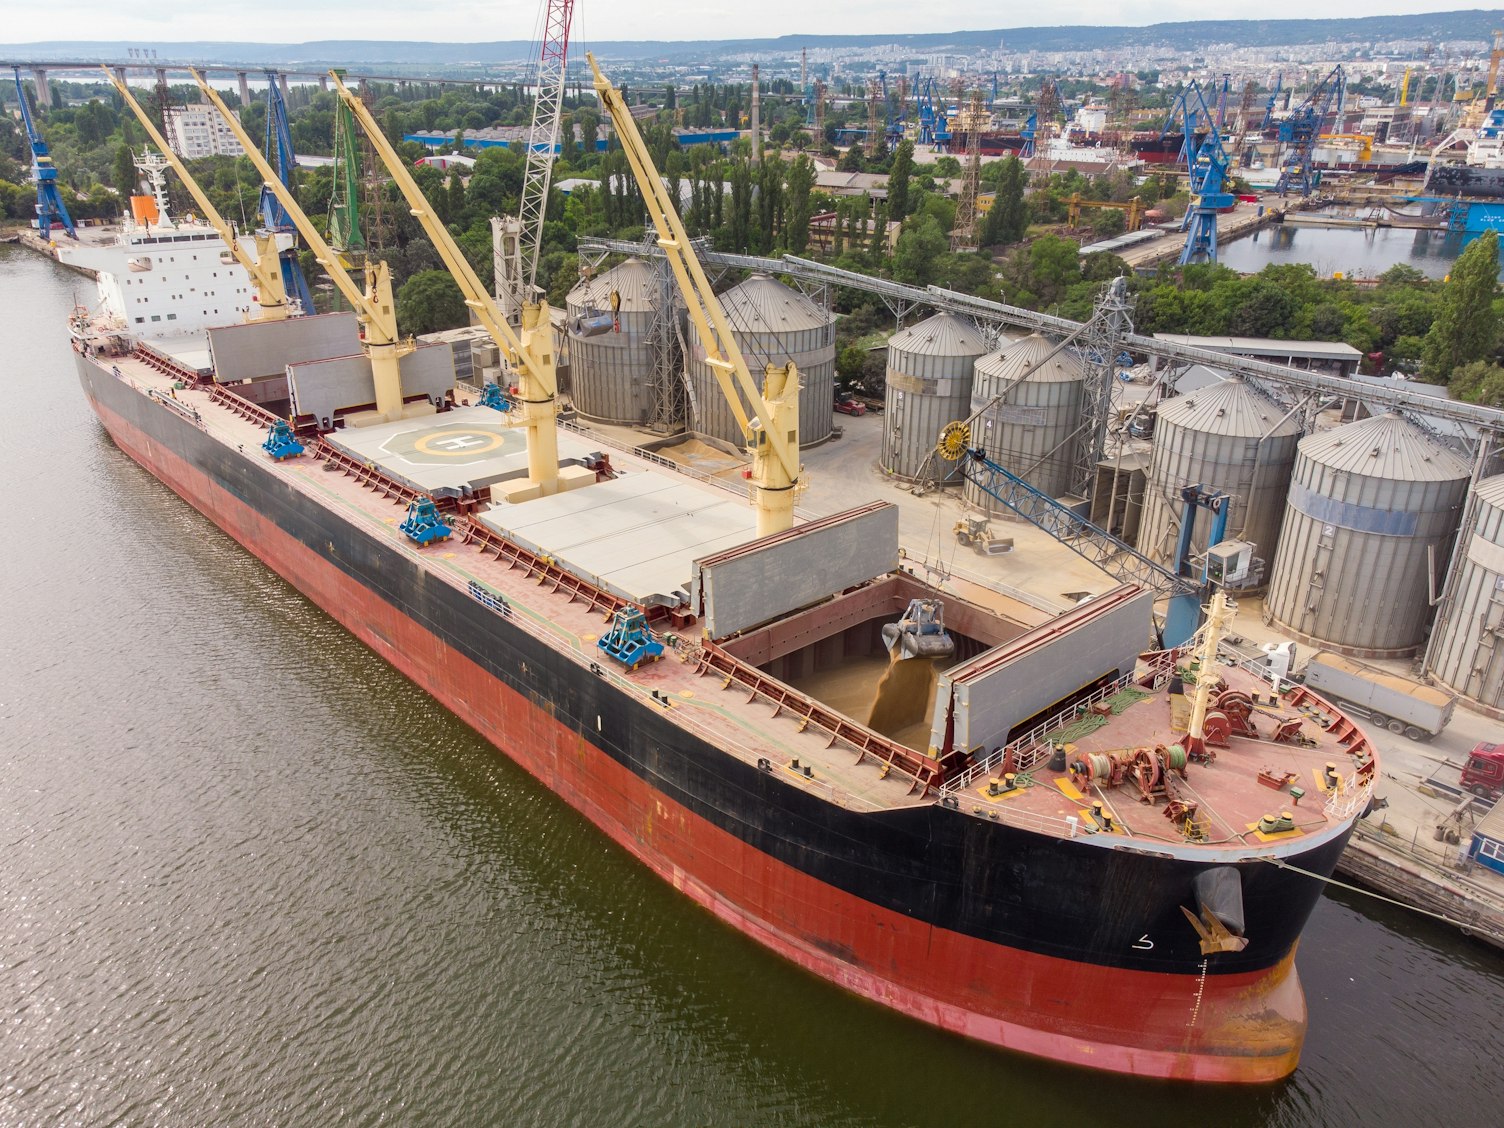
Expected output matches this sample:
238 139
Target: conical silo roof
1386 446
944 334
1025 360
1228 407
1490 491
764 305
632 279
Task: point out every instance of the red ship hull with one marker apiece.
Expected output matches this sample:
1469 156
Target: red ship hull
1240 1027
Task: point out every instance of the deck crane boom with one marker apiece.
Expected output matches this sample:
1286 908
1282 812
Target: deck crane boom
279 152
264 267
532 354
772 428
373 303
51 211
1299 132
518 238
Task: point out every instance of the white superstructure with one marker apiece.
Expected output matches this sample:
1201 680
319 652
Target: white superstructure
166 278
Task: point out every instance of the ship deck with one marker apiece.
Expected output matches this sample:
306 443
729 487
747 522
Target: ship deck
747 723
1306 776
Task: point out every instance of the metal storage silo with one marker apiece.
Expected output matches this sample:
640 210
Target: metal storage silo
1031 433
1224 437
930 368
612 370
1369 505
773 324
1468 654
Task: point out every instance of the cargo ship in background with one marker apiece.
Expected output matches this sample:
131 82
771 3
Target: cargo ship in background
1032 830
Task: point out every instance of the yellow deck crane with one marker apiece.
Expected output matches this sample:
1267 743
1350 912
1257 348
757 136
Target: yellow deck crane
772 429
373 304
532 356
265 268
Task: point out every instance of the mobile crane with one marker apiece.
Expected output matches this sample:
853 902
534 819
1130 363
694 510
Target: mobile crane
771 429
51 211
373 303
531 354
265 267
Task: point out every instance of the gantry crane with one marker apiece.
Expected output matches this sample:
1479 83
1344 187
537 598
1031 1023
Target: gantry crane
772 429
279 151
519 239
51 211
1299 131
264 268
373 303
532 355
1206 165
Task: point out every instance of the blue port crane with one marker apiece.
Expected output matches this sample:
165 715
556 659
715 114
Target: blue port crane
279 154
1299 131
1279 84
51 211
1206 163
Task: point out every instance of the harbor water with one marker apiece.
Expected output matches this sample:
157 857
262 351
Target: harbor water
1354 252
253 876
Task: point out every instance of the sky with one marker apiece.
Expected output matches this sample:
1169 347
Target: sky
150 22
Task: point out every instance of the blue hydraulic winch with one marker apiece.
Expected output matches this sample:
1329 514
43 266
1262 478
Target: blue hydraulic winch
493 397
423 524
281 442
629 640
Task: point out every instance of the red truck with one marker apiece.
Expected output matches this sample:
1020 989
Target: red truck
1483 774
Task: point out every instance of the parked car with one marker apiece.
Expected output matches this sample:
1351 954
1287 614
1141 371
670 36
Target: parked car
847 405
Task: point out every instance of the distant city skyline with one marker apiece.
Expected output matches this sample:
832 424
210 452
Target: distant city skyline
148 22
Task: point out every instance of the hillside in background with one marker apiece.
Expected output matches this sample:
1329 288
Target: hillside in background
1474 24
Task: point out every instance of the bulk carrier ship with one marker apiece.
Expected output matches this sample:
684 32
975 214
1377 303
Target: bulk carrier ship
1028 829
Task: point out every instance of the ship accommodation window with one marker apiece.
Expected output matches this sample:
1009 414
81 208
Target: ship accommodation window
156 317
172 317
139 320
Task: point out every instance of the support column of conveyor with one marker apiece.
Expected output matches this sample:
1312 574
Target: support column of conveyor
245 88
282 82
44 92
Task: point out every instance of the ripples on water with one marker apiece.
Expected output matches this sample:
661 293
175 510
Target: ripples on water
252 876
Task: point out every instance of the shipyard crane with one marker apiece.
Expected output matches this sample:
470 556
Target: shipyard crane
279 151
373 303
264 268
51 211
532 355
1279 85
518 238
1206 165
772 428
1299 132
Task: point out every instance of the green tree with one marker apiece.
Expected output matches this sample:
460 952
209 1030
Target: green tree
898 180
1479 382
429 301
1466 324
1013 212
123 170
799 182
920 247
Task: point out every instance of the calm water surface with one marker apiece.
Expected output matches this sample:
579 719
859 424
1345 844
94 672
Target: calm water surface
1355 253
252 876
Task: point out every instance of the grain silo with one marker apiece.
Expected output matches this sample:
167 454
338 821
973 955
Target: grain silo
1468 654
612 368
930 367
773 324
1033 431
1371 507
1226 438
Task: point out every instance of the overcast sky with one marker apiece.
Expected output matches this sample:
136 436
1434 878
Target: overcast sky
294 21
